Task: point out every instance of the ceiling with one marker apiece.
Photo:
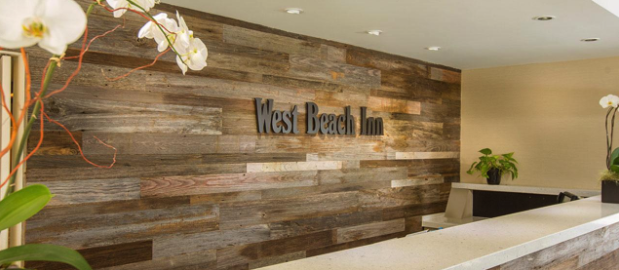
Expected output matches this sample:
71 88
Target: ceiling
472 33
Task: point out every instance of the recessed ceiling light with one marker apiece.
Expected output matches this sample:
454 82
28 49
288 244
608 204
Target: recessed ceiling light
544 18
295 11
374 32
433 48
590 39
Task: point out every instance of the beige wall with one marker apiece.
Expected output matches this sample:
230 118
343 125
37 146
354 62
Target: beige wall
547 113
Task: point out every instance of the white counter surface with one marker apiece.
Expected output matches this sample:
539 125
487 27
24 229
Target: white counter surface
526 189
479 245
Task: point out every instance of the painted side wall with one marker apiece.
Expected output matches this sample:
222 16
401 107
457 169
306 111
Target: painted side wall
547 113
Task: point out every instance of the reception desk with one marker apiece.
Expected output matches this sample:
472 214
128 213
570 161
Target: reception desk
506 242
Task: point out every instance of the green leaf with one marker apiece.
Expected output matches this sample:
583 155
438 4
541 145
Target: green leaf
486 151
22 205
614 157
44 252
471 171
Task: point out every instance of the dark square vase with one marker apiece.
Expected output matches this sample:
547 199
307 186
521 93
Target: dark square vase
610 191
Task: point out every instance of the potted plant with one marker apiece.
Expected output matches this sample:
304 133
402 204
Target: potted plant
610 177
492 167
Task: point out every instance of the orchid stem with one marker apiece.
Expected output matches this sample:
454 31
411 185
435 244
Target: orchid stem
33 118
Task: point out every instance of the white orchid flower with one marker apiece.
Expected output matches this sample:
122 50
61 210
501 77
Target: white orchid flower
609 101
53 24
194 55
121 6
183 35
152 31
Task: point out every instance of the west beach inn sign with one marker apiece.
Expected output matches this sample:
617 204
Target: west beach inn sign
286 122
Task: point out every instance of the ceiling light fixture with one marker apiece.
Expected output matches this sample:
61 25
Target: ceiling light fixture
433 48
374 32
590 39
611 5
294 11
544 18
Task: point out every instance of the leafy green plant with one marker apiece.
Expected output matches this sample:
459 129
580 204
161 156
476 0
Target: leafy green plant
505 163
17 208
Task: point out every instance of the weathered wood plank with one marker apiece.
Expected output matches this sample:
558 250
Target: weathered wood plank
198 260
54 143
394 105
361 175
236 215
129 117
89 191
41 162
267 41
242 196
385 62
594 250
293 166
84 221
103 208
188 219
285 229
369 230
444 75
404 196
177 244
108 256
167 186
418 168
282 193
426 155
417 181
119 171
333 72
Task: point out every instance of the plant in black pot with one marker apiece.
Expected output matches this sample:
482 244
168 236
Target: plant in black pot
610 177
493 167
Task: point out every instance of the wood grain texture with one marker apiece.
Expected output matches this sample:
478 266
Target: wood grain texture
426 155
196 187
354 233
597 250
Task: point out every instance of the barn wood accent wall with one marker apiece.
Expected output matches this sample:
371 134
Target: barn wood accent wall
597 250
196 186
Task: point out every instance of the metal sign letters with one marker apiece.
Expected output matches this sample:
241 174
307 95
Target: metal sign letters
286 122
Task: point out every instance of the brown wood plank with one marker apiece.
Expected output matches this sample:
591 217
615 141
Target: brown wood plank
108 256
176 244
89 191
385 62
369 230
167 186
111 229
236 215
333 72
445 75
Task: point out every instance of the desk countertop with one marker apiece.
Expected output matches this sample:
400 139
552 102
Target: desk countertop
478 245
525 189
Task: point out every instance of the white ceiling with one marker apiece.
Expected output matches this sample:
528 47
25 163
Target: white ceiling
472 33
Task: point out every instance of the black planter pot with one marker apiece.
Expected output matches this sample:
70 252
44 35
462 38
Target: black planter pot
494 177
610 191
